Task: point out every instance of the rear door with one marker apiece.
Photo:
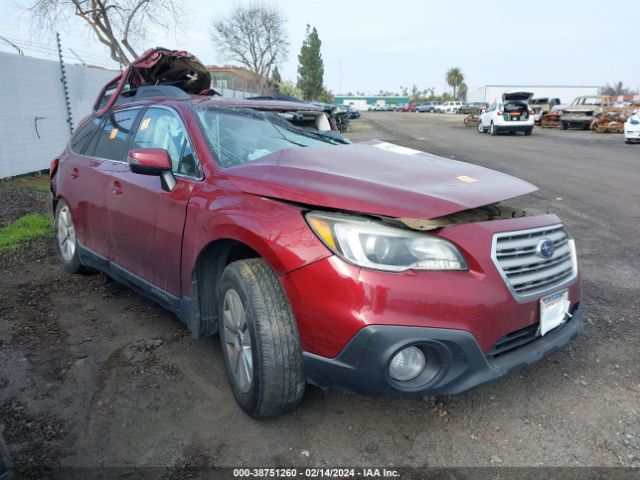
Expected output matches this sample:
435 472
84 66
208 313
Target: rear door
146 222
97 150
78 184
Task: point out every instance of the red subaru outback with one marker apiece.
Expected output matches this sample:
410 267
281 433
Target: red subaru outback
366 267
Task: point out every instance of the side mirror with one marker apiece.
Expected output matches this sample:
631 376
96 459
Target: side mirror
153 161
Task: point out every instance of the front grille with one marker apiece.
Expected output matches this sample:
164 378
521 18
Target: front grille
514 340
526 273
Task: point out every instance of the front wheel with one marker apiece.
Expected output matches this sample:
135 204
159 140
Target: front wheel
480 127
563 125
259 339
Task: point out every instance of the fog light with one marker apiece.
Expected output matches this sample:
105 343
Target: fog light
407 364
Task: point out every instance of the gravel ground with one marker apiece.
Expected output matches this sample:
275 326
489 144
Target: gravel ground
94 375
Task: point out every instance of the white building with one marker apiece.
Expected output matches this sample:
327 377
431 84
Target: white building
566 93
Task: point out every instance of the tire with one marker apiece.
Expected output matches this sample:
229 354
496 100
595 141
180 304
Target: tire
480 127
66 240
528 132
492 129
563 125
262 354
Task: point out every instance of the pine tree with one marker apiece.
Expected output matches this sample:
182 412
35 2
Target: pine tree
310 66
275 76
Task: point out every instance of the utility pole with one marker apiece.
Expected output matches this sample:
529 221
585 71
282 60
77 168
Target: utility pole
65 87
340 90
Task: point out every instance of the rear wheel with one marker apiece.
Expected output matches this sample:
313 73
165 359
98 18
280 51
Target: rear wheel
492 129
66 240
563 125
528 131
259 339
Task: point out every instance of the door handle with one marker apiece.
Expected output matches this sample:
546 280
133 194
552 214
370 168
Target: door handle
116 188
75 173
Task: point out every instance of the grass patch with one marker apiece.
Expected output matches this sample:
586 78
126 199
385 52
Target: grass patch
30 226
40 187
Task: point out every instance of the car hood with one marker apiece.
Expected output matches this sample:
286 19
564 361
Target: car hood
516 97
377 178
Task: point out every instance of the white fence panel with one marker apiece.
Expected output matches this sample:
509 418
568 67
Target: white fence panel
31 95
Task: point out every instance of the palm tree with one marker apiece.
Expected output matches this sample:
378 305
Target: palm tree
454 78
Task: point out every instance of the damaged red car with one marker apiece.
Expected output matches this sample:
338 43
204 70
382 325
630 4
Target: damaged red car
368 267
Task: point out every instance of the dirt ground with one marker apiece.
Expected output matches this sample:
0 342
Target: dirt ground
91 374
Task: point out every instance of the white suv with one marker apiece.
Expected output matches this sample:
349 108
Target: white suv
512 114
449 107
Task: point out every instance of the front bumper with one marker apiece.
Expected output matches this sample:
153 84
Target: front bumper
577 119
457 361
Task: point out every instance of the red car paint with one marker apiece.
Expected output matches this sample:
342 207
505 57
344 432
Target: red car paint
360 178
158 236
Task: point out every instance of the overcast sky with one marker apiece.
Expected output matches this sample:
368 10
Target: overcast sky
384 44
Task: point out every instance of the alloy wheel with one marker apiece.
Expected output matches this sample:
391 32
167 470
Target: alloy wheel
237 341
66 234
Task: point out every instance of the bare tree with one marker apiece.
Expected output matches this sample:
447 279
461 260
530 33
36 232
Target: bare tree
116 23
254 36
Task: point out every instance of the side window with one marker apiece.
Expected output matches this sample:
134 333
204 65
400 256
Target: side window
83 136
161 128
113 139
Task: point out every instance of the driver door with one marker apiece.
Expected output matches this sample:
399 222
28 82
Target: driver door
147 222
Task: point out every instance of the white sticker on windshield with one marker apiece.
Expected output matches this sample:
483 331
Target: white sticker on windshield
390 147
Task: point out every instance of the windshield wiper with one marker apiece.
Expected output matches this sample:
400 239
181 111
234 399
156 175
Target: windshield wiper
313 134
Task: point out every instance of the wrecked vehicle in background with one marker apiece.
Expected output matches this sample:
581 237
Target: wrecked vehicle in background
473 107
368 267
542 106
320 117
614 119
583 110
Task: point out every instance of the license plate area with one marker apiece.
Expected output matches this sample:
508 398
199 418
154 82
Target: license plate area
554 311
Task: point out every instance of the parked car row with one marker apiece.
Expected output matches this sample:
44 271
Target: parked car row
518 112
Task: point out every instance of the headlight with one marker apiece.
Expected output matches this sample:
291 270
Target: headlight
371 244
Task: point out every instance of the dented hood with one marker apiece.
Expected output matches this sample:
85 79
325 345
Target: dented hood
376 178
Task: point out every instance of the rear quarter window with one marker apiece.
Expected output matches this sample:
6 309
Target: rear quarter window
83 137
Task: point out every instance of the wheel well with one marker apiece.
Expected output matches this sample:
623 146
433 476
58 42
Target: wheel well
209 267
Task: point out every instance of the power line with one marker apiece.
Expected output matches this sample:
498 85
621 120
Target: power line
50 51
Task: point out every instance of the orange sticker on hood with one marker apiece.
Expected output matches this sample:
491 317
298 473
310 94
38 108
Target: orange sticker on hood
465 179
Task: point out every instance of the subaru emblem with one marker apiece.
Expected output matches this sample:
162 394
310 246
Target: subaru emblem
545 248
